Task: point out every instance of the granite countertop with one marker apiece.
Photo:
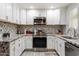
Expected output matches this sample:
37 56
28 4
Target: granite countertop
12 38
75 42
72 41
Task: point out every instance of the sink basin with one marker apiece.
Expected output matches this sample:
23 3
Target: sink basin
69 37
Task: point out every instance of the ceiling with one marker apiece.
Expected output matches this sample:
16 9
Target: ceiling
42 5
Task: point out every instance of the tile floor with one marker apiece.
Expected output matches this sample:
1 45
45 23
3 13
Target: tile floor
32 53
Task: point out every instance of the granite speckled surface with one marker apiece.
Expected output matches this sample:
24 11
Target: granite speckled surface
72 41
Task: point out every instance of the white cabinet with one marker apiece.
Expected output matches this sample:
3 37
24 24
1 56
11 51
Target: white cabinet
53 17
22 44
56 44
18 15
28 42
61 47
63 16
49 42
14 14
12 48
42 13
9 12
2 10
17 47
23 16
31 14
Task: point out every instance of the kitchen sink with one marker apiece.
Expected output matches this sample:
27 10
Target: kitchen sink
69 37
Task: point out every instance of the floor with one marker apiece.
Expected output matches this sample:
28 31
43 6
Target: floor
39 53
30 53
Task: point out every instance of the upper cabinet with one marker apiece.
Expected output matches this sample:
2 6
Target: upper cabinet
42 13
53 17
23 16
2 10
8 10
14 14
63 16
31 14
18 16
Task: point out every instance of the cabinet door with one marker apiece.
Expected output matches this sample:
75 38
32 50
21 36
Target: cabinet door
63 16
53 42
53 17
22 44
23 16
28 42
49 42
17 47
12 49
31 14
18 15
42 13
56 44
2 10
9 12
61 47
14 14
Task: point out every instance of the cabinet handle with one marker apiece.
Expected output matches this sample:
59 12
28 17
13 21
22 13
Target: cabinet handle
19 45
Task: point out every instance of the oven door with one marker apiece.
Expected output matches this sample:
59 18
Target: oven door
39 42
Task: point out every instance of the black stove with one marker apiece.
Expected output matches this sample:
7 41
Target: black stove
39 42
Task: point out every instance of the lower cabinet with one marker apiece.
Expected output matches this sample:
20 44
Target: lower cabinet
12 48
61 47
28 42
17 47
57 44
50 42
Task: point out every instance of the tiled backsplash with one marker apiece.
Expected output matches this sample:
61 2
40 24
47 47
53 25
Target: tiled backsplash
50 29
12 28
8 28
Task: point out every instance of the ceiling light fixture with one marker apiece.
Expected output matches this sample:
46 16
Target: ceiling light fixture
51 7
31 7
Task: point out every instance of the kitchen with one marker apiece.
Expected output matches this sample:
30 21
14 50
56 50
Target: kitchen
39 29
